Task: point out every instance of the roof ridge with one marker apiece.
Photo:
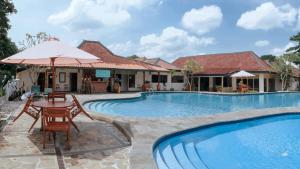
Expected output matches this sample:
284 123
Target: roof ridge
213 54
97 42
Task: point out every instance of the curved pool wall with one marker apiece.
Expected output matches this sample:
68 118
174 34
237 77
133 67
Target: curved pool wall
256 143
190 104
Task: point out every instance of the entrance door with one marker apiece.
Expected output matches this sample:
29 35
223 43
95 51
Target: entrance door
73 82
204 83
41 81
49 80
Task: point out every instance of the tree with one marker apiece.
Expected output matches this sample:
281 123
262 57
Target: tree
7 47
295 49
270 58
191 67
172 72
32 40
284 69
133 57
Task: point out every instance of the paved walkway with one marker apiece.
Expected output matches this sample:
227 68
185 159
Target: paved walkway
98 145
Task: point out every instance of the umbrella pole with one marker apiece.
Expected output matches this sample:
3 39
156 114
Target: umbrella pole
53 74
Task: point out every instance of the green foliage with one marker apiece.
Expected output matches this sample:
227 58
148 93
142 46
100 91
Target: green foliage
7 47
270 58
133 57
295 49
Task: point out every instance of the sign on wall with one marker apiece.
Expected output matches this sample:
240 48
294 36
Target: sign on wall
102 73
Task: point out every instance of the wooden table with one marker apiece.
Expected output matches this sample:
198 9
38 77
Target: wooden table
50 104
55 104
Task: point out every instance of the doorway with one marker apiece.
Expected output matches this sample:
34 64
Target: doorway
73 82
204 83
49 77
41 81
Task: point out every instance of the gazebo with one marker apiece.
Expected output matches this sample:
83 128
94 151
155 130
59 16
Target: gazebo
244 74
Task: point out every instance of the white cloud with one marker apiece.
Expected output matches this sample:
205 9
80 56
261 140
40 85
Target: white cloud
172 42
125 49
262 43
280 51
298 24
90 14
202 20
268 16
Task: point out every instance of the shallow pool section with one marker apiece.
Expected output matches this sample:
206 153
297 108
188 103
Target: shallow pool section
191 104
268 142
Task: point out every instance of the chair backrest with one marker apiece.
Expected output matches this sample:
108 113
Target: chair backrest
56 112
57 95
76 102
36 89
28 103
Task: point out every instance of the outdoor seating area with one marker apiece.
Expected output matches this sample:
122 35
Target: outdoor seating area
93 147
56 116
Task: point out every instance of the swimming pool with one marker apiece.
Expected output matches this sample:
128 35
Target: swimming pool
267 142
190 104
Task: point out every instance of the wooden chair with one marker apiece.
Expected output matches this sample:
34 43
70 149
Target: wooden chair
57 95
77 109
56 120
31 111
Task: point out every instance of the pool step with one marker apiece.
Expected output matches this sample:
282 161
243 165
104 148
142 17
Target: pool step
178 155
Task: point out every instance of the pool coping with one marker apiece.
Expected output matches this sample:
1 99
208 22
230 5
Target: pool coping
145 132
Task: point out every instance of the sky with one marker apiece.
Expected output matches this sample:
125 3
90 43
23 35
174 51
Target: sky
163 28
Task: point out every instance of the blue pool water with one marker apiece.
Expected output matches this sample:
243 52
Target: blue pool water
191 104
265 143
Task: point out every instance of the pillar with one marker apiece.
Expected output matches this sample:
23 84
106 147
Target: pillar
199 83
222 81
211 83
233 82
267 81
261 83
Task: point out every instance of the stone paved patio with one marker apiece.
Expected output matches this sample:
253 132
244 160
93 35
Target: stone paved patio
98 145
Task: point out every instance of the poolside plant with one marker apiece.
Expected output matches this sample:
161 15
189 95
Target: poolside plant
191 67
284 69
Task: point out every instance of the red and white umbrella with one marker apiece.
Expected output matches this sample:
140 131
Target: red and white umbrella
52 53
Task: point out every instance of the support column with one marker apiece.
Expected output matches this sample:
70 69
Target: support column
233 82
261 83
222 82
199 83
158 83
267 81
211 84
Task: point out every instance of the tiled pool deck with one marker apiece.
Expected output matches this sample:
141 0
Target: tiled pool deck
100 144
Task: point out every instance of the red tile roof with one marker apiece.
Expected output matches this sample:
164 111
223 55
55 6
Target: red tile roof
112 61
159 62
226 63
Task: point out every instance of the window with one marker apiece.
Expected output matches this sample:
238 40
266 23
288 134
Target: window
131 81
177 79
163 78
62 77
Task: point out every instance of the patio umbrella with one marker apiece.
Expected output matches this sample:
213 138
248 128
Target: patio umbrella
243 74
52 53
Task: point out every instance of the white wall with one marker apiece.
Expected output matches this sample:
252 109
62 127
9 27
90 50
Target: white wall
176 86
67 83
